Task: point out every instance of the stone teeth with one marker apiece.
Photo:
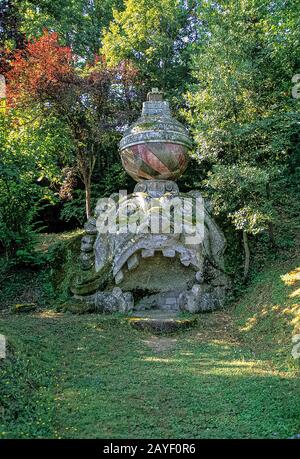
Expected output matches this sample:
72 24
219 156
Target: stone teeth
119 277
185 259
170 253
146 253
133 262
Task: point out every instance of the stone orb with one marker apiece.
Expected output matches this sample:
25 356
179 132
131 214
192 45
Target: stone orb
155 160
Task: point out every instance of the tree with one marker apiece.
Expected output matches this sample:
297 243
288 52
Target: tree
244 120
240 195
30 158
156 37
92 101
10 23
79 23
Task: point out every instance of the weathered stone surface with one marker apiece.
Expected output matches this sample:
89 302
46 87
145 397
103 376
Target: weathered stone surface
156 265
168 301
107 302
201 298
90 226
119 277
87 260
161 322
87 243
170 253
156 188
115 301
133 261
199 277
156 145
147 253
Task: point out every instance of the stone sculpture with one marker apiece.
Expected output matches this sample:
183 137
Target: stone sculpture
133 256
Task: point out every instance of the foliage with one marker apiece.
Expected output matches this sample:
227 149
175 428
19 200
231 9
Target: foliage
115 178
10 23
244 120
156 37
39 68
27 404
29 166
232 60
88 101
79 24
241 108
231 377
241 193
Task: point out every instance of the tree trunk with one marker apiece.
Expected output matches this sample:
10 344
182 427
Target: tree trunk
88 207
85 165
247 255
271 234
270 224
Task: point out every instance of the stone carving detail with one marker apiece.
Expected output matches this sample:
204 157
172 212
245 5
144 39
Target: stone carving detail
157 270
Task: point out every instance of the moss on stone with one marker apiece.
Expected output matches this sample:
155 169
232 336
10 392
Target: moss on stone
23 307
162 325
77 307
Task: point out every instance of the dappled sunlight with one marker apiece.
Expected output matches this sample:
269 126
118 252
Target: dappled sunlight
294 312
104 385
96 327
292 277
251 322
233 369
49 314
161 360
265 311
281 313
45 240
224 343
295 293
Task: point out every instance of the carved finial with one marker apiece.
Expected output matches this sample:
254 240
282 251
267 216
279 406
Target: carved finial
155 95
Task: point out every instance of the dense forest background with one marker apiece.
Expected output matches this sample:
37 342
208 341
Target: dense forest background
77 73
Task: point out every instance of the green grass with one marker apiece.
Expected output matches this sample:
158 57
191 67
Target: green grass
94 376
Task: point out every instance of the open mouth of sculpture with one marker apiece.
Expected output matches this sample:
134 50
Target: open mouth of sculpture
156 275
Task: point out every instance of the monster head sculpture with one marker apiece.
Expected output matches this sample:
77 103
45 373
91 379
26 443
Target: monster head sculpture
156 248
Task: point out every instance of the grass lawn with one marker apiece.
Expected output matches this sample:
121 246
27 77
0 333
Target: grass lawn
94 376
